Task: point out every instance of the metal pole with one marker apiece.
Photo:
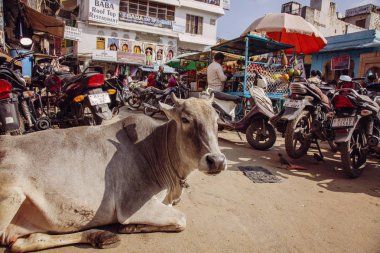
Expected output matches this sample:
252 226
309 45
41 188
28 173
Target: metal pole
246 64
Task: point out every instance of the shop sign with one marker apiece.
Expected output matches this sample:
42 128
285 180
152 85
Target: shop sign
178 28
359 10
145 20
133 58
340 62
104 55
72 33
104 11
226 4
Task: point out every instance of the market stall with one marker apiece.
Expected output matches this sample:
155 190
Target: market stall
250 47
196 66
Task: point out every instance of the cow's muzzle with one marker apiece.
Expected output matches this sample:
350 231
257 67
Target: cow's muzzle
213 163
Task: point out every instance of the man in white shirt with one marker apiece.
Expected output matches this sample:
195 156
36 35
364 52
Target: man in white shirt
215 73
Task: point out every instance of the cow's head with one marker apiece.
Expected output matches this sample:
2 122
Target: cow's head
197 129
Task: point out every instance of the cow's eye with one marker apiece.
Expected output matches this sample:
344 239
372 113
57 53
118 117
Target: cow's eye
185 120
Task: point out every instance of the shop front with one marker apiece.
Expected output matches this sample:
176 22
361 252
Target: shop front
355 54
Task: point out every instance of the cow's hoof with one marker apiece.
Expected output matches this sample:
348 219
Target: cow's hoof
131 229
104 240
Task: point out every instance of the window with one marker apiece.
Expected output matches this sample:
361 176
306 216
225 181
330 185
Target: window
148 8
212 21
100 43
194 24
360 23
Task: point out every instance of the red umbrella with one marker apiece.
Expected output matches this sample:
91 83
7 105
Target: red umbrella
290 29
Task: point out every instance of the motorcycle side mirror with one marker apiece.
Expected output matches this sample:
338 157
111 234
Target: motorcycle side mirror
26 42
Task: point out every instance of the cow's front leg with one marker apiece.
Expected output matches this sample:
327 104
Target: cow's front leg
154 217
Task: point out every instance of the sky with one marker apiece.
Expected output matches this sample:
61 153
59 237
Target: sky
244 12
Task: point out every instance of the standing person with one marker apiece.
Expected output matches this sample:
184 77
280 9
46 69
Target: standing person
215 73
160 78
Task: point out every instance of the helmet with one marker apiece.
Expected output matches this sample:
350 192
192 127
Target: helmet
262 82
345 78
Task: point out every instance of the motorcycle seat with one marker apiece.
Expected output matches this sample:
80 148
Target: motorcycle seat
71 79
226 97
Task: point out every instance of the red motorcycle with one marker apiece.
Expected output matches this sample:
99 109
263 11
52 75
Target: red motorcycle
74 99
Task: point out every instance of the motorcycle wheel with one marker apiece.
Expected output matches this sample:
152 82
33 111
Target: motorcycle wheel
296 132
134 101
91 119
149 111
261 135
353 156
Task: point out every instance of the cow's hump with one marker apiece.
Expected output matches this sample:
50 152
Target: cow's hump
138 127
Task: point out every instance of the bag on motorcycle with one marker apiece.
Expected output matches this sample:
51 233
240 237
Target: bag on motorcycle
9 114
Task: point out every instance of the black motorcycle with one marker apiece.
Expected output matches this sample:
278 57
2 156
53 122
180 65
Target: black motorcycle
155 96
118 94
17 111
305 119
356 126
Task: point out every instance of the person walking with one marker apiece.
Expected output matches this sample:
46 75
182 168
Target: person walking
215 73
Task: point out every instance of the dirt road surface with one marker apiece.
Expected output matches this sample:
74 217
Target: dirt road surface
317 210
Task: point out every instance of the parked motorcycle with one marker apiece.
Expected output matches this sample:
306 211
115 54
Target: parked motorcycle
155 96
75 99
260 134
118 93
17 112
356 125
304 120
138 97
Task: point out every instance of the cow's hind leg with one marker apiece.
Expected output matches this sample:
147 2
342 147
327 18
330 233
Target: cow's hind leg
97 238
11 200
154 217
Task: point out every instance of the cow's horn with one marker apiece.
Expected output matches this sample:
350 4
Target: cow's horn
176 101
211 99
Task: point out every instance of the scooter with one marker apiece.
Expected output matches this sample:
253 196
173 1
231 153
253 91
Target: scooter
260 134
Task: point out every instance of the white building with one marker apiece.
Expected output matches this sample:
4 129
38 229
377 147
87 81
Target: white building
145 32
366 16
323 15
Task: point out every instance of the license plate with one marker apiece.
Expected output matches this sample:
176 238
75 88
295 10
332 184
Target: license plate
293 103
99 99
343 122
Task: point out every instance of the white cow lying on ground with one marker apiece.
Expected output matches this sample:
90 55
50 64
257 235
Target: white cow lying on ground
55 185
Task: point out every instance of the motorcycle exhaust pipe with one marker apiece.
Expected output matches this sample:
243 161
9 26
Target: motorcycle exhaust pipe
374 143
25 110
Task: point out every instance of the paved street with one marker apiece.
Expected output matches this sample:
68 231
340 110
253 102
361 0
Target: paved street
318 210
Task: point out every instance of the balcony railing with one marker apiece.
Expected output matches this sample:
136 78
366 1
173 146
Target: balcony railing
214 2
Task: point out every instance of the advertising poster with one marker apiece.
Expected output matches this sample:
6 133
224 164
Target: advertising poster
125 46
104 11
160 54
132 58
137 47
340 62
150 53
113 44
170 53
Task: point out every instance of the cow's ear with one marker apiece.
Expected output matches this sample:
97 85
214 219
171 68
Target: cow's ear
168 110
